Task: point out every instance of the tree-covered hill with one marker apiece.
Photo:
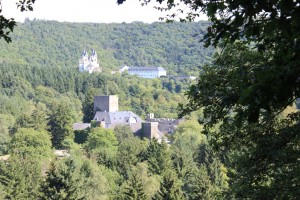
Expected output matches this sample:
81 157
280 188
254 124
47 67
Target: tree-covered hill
42 94
38 70
174 46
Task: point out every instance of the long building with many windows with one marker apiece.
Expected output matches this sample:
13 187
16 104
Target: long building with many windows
145 72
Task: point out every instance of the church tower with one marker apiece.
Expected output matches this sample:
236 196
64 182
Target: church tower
83 61
93 58
89 64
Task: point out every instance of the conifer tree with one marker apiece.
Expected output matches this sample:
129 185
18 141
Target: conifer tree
62 182
158 157
38 118
215 169
60 125
20 178
130 152
135 189
88 106
197 184
170 187
74 179
5 123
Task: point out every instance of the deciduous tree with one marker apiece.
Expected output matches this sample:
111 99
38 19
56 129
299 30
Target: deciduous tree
123 133
248 86
30 143
103 144
7 25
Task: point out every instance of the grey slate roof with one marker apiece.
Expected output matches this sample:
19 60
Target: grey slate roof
144 68
116 118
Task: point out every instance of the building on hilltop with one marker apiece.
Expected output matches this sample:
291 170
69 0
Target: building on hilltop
107 115
112 119
165 125
89 64
145 72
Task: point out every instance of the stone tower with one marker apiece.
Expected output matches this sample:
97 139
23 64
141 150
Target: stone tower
150 130
107 103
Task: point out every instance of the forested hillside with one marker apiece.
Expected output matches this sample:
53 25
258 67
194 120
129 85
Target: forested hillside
42 94
41 66
38 107
245 147
174 46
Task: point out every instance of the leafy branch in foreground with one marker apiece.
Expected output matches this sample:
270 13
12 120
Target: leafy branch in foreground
7 25
243 95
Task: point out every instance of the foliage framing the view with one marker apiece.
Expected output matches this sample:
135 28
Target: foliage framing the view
7 25
246 95
246 90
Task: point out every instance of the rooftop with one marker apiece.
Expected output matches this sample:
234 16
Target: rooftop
146 68
115 118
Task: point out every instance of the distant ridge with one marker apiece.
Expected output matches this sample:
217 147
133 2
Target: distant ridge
174 46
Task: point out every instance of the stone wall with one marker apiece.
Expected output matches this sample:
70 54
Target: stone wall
165 125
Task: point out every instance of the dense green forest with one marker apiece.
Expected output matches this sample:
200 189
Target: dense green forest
112 164
42 94
173 46
239 140
39 106
40 103
21 84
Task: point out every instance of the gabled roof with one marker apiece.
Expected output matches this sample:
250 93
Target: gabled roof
116 118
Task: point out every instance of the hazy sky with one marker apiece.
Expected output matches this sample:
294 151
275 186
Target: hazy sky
105 11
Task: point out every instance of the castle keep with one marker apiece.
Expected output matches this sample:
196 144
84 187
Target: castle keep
108 103
107 115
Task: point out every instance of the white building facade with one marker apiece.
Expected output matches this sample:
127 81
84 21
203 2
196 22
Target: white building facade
147 72
89 64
